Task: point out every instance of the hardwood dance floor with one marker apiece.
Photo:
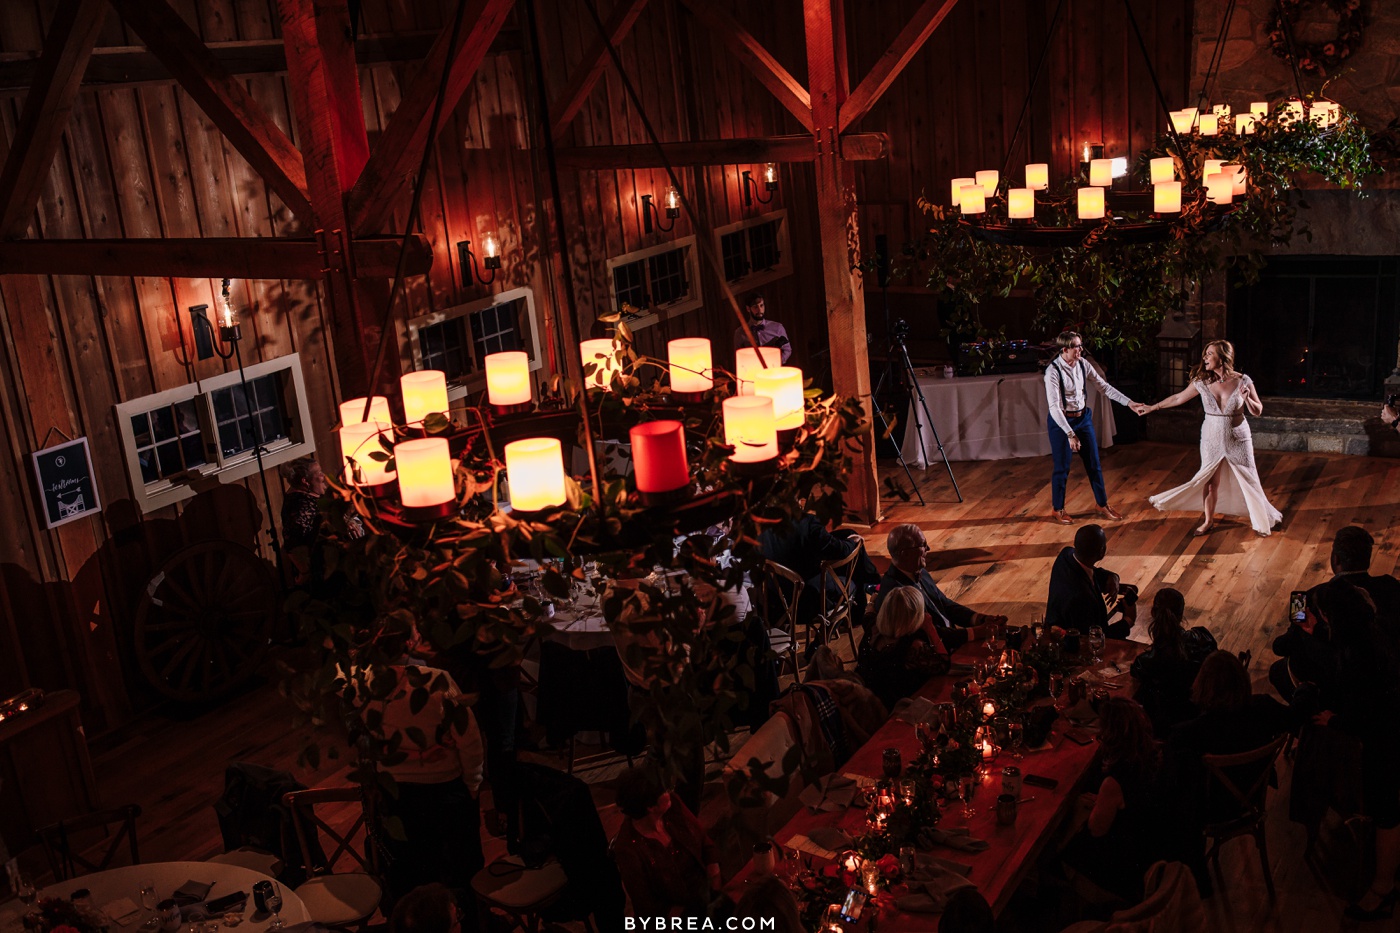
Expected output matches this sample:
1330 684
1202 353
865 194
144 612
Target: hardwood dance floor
992 551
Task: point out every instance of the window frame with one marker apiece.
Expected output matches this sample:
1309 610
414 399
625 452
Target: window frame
753 279
299 441
693 298
411 348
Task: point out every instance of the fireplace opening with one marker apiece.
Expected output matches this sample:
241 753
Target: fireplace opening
1318 326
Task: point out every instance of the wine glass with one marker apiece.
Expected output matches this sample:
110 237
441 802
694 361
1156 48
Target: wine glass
1016 737
1096 641
967 785
1057 686
891 763
147 895
274 904
25 890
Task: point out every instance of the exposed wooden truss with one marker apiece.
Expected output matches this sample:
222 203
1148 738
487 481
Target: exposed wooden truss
758 60
563 110
859 147
905 46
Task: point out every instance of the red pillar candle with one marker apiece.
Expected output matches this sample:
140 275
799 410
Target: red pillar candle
658 456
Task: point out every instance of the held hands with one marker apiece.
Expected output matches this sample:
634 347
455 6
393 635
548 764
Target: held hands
1139 408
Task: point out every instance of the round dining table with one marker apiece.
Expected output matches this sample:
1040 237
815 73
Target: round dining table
108 888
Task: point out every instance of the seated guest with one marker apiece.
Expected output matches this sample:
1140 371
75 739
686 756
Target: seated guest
436 788
669 866
955 624
430 908
1123 835
1351 561
802 547
1084 595
1166 670
903 650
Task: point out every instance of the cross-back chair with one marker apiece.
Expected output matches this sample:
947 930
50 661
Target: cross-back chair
839 574
1250 802
336 899
70 855
781 594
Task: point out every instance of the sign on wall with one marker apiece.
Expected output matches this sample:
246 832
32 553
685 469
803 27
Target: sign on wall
67 488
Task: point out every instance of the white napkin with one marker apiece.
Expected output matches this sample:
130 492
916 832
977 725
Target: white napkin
802 844
122 911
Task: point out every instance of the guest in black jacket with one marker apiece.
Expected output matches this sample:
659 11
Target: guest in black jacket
956 624
1166 671
1083 594
1306 653
1351 561
902 650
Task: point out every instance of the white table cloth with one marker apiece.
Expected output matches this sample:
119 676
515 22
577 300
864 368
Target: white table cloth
125 882
990 417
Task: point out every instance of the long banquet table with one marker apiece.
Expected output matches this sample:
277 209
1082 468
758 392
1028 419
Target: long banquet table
998 870
990 418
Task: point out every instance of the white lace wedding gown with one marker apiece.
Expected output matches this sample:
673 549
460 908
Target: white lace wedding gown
1227 445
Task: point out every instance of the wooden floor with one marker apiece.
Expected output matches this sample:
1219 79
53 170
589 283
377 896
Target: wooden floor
992 551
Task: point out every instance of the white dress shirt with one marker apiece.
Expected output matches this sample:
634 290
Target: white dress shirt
1074 398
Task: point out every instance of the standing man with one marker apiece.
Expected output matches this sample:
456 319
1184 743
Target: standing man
1071 422
768 333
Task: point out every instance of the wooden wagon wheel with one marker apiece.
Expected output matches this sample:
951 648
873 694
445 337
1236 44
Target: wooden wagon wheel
205 620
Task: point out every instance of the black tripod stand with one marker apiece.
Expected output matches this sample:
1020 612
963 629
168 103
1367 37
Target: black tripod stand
900 371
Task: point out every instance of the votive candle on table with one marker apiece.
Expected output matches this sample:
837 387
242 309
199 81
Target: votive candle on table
658 457
1091 203
782 384
601 353
989 179
1166 197
1162 169
424 393
690 364
535 470
425 473
508 378
1037 176
974 200
1209 124
353 410
989 709
747 362
958 185
1101 173
357 441
1220 188
750 429
1244 124
1020 203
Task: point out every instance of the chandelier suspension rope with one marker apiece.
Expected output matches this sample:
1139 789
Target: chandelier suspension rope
1030 90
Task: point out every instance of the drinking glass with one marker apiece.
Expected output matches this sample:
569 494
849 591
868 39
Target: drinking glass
1057 686
147 897
1096 640
25 890
967 785
891 763
274 904
1016 736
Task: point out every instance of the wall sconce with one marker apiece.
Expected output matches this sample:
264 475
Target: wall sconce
672 198
490 260
770 184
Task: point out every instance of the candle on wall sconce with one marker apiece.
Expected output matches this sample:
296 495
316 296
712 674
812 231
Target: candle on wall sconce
601 353
750 429
424 393
1020 204
974 200
989 179
425 478
747 362
508 381
1166 197
1091 203
1038 176
357 441
690 367
352 411
1101 173
659 461
782 384
1209 124
958 185
1162 169
1220 188
535 471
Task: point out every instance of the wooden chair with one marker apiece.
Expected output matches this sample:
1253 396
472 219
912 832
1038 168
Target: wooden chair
335 899
1250 803
67 852
519 892
836 611
782 618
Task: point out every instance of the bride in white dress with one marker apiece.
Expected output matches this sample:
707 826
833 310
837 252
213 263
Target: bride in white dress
1227 479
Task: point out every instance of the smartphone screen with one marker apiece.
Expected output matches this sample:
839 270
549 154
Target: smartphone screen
854 905
1297 605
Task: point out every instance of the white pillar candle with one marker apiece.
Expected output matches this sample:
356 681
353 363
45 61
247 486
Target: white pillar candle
1244 124
1020 203
1101 173
425 472
747 362
1222 111
1220 188
1239 180
1038 176
424 393
974 199
958 185
1210 167
508 378
1183 120
988 179
1091 203
535 471
782 384
352 411
750 428
1166 197
1292 112
1163 169
1209 124
1260 109
357 441
689 359
600 353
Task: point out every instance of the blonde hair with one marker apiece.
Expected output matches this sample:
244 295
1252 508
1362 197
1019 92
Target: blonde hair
1065 339
1225 353
901 613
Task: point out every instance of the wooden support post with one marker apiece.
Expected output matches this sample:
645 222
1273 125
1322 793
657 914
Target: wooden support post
837 222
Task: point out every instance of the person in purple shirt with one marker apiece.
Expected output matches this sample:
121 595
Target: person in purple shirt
768 333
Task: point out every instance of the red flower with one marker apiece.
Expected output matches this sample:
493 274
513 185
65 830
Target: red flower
832 870
888 865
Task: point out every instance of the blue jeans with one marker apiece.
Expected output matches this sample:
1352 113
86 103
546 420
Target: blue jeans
1083 427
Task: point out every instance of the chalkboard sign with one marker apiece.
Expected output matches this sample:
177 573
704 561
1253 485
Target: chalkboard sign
67 488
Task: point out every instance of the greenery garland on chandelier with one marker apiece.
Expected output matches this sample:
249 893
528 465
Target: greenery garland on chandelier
1117 293
370 595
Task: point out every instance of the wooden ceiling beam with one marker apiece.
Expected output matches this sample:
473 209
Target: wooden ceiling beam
223 98
858 147
928 17
67 47
758 60
205 257
399 148
619 23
